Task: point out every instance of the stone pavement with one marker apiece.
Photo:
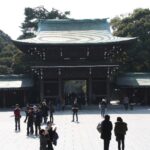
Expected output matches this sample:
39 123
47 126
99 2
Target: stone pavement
82 135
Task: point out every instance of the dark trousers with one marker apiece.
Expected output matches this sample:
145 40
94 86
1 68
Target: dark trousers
126 106
51 117
50 146
121 142
17 124
45 119
37 128
75 113
106 144
30 128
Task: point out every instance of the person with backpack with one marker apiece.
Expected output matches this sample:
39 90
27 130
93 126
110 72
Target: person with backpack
120 131
17 117
106 128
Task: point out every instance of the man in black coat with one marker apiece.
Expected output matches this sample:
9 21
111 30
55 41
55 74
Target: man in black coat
106 128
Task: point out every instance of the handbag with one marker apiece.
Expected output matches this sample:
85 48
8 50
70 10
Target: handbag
99 128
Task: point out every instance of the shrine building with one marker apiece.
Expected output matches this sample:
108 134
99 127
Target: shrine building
74 58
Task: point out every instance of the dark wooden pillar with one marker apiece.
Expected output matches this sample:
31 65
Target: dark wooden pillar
108 85
41 90
4 99
59 84
90 86
146 96
24 98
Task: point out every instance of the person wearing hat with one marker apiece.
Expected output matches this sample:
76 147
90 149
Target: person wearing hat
17 117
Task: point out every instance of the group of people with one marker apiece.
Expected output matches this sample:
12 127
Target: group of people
35 117
120 129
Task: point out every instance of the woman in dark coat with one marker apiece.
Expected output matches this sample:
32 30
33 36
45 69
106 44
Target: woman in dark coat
120 131
106 127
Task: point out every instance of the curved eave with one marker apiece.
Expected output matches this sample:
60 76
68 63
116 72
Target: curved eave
25 43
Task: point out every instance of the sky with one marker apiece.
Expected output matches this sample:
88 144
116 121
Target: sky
12 11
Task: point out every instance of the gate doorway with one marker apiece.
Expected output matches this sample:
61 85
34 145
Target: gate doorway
75 89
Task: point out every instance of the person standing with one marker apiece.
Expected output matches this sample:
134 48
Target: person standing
37 120
52 136
75 109
43 140
126 102
103 106
44 110
30 119
17 117
106 128
120 131
51 110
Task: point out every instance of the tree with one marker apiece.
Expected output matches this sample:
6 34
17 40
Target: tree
33 15
136 24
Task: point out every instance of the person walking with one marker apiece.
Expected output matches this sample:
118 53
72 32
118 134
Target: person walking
30 119
120 131
17 117
106 128
75 109
103 107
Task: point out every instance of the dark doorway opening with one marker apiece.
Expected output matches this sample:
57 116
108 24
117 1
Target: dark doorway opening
75 89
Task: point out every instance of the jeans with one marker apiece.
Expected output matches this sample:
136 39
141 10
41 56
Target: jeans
75 113
30 128
17 124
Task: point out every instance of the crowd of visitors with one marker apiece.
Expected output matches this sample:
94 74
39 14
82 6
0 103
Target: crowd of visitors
37 115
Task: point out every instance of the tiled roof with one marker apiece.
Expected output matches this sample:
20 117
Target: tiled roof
74 32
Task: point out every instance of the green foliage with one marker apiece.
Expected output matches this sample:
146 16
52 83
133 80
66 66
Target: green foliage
33 15
136 24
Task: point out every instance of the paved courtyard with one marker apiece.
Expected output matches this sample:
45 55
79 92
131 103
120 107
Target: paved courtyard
82 135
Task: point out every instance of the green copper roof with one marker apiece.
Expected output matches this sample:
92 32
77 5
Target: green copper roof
71 31
134 80
15 81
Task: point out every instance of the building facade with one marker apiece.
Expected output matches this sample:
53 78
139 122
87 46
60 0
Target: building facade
74 58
